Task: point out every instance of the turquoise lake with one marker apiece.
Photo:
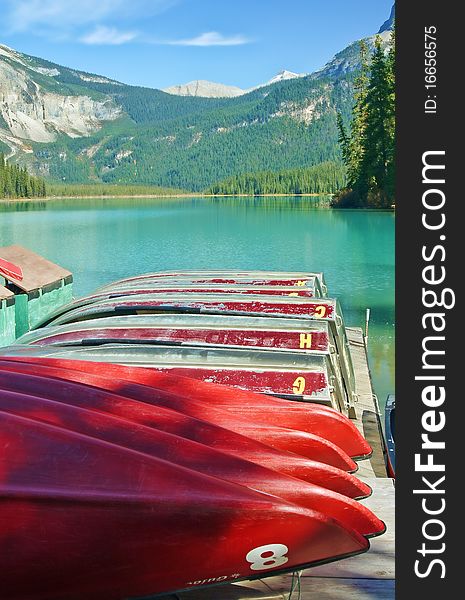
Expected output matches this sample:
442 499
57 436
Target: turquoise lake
101 240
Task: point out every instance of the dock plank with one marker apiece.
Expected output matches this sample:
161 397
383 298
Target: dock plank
37 271
367 409
369 575
5 293
318 587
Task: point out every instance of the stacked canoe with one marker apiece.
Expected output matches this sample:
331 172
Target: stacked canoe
120 477
274 333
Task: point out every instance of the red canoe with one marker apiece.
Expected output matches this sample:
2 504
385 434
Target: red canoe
289 375
82 414
207 330
10 271
302 443
208 434
89 307
256 278
228 407
84 519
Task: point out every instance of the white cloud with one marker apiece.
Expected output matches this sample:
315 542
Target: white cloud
51 15
28 14
212 38
109 36
99 22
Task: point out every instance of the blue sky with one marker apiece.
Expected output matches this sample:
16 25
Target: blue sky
157 43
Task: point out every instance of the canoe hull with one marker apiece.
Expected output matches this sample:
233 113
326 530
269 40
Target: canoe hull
225 406
237 278
138 525
86 417
214 436
220 304
10 271
291 375
294 341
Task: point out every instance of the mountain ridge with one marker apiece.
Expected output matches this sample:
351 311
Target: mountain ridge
204 89
73 126
211 89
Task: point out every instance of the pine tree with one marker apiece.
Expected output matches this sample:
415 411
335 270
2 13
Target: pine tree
391 119
374 163
343 138
369 149
356 144
15 182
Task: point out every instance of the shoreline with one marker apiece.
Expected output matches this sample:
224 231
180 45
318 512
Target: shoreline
13 201
142 196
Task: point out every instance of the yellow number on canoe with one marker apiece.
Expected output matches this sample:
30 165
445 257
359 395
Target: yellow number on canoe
300 283
298 387
319 312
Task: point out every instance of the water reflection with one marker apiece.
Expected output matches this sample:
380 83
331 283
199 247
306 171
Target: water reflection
237 203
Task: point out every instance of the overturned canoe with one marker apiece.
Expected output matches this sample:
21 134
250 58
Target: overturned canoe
256 278
10 270
240 438
222 405
238 304
297 335
289 375
79 408
227 304
132 524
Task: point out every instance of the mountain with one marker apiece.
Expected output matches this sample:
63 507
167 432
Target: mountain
348 60
205 89
72 126
389 24
282 76
209 89
35 107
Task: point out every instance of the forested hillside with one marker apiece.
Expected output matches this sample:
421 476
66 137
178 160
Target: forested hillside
15 182
74 127
325 178
292 124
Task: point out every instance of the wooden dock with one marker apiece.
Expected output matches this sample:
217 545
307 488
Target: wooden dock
365 577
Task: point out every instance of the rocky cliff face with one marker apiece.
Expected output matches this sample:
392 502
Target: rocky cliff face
30 111
388 25
349 59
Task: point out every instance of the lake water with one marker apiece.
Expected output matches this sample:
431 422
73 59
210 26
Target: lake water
101 240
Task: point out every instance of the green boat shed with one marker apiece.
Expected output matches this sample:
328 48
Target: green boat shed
7 316
44 287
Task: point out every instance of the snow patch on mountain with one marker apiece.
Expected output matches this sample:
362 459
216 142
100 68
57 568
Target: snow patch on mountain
282 76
